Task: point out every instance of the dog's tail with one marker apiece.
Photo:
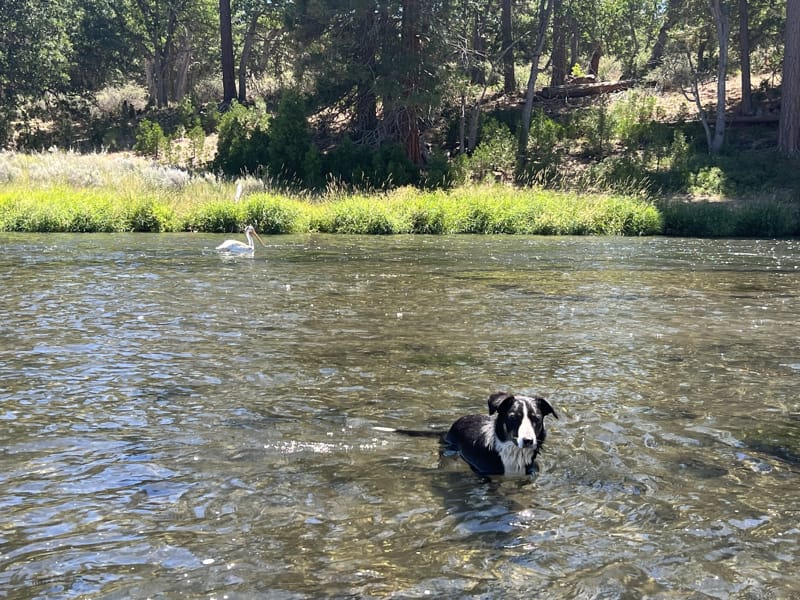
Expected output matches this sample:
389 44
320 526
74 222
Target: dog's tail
430 433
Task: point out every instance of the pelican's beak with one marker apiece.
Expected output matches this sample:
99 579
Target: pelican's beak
258 237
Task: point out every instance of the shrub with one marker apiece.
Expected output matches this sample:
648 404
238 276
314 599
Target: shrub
243 142
543 152
632 118
495 153
596 125
150 139
438 173
707 181
289 140
391 168
350 164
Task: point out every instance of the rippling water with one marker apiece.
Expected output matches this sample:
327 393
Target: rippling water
176 424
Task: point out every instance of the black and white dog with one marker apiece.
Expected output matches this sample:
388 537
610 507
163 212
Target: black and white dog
504 442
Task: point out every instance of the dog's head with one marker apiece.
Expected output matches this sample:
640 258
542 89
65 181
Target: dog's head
520 419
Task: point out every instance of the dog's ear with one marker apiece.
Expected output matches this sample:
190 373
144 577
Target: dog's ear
545 408
497 400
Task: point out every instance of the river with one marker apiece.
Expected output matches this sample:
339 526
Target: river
176 424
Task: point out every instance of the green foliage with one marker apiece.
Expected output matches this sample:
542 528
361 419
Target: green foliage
197 139
82 211
35 52
544 148
210 117
243 142
274 214
145 214
597 127
424 213
577 71
760 218
350 164
356 166
707 181
440 172
494 156
186 114
150 139
632 118
289 140
217 216
356 215
391 167
70 193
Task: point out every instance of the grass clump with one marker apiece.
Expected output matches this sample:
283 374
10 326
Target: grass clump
357 215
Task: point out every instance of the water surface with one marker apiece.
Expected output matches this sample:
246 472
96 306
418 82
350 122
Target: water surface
179 425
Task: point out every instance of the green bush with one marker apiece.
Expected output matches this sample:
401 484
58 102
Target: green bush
544 148
596 126
438 172
289 140
150 139
391 168
632 118
350 164
243 142
707 181
495 153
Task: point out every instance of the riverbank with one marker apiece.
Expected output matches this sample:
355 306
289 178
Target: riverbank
67 192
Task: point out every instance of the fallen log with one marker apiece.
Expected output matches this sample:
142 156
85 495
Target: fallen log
579 90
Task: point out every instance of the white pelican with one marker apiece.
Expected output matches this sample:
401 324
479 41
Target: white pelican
240 248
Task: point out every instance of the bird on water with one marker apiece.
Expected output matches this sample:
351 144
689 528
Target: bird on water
240 248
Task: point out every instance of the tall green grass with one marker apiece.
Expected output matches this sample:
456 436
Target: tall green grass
65 192
484 209
760 217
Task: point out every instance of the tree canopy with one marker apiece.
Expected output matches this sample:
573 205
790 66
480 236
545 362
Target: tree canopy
376 72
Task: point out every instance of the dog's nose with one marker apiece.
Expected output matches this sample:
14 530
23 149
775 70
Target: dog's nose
527 442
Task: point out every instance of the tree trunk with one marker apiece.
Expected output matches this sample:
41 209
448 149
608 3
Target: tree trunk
559 56
161 72
657 52
462 133
545 10
409 124
695 97
247 49
789 125
366 104
477 73
226 42
594 62
744 53
509 79
721 12
182 61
